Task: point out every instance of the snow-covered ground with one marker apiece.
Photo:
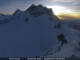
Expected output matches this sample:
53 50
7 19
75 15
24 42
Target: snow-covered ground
34 32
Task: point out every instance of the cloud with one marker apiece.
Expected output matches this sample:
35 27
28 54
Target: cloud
73 4
70 4
65 0
23 4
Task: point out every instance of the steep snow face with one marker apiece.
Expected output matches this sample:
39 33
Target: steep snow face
28 35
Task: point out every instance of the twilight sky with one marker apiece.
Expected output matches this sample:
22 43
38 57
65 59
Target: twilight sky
9 6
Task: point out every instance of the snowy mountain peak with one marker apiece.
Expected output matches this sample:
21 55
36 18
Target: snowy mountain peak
17 12
4 18
39 10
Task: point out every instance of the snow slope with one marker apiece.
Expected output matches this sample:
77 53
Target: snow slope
31 37
34 32
72 48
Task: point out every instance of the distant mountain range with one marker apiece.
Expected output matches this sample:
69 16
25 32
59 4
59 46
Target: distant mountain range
38 32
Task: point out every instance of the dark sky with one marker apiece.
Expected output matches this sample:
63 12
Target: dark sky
9 6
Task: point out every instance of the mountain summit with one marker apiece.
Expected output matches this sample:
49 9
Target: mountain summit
39 10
